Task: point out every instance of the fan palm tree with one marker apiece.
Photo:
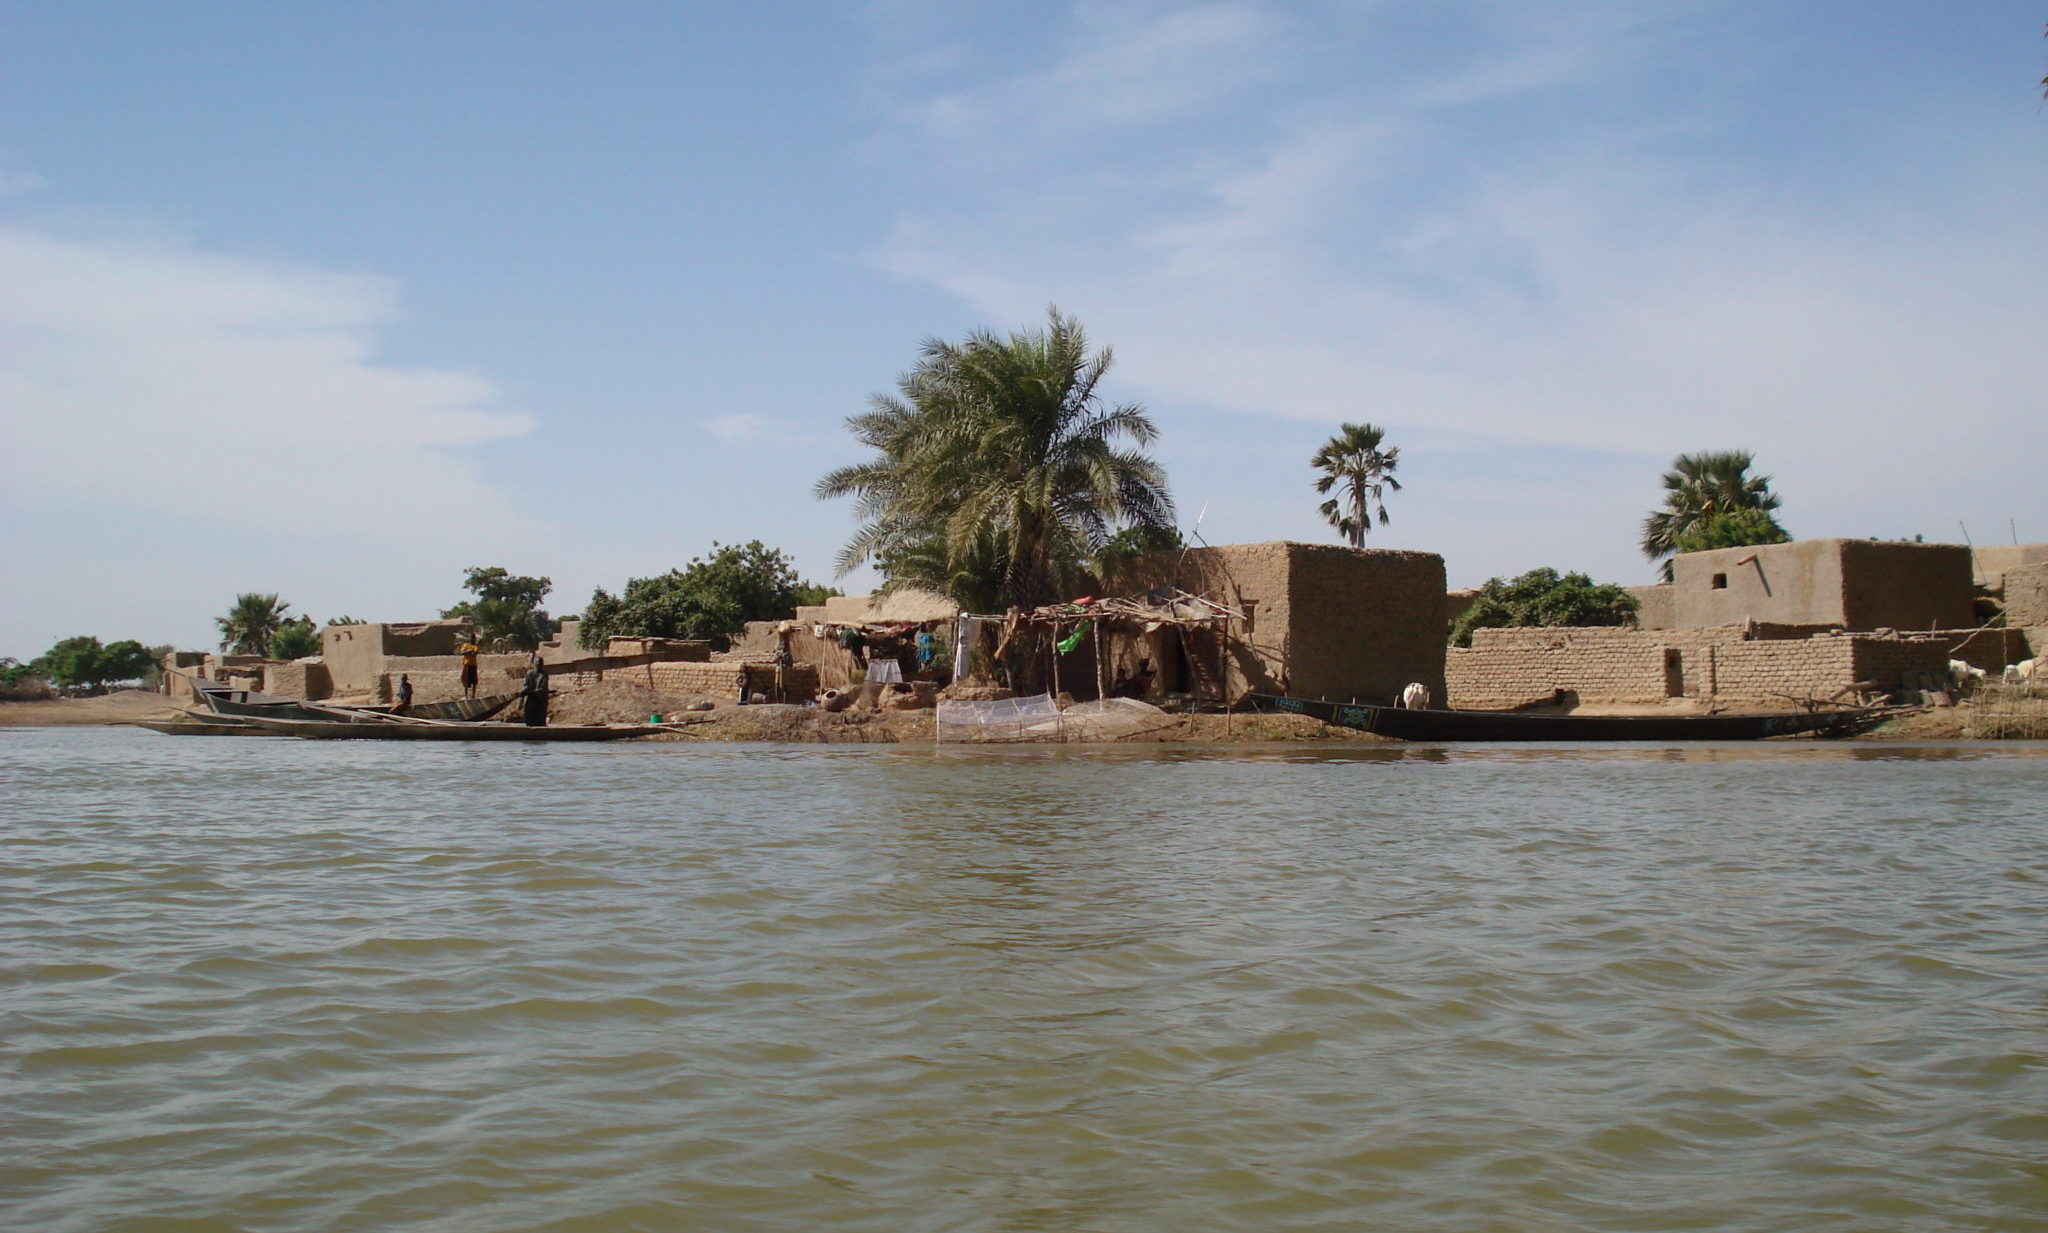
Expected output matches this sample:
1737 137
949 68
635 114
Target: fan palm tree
1701 487
1354 460
251 623
999 470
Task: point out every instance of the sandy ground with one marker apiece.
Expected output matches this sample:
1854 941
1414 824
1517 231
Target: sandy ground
1994 715
125 706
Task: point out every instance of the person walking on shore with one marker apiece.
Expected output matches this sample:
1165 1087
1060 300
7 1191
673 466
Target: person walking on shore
470 650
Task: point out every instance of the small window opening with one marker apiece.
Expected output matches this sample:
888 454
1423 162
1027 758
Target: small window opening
1720 582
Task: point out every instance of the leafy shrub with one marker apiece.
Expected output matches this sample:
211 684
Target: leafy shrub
1544 597
1739 528
711 598
295 639
506 610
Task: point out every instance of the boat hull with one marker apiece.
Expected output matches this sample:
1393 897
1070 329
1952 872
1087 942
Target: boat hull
247 704
195 727
1427 725
402 730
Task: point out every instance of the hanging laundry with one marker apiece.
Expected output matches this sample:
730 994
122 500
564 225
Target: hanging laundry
967 631
1068 643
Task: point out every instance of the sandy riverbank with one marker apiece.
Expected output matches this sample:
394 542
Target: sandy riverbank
809 725
1972 720
124 706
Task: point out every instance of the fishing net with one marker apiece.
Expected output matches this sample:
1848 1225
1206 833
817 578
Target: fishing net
1040 719
1112 719
1035 718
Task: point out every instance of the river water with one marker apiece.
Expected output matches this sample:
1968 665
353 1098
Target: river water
283 985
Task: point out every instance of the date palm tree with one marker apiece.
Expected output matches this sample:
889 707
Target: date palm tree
999 470
1703 487
251 623
1354 461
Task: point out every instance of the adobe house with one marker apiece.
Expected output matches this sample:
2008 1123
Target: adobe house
1319 621
1848 583
1994 561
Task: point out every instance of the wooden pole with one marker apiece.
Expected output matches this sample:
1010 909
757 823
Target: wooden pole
1095 636
1055 661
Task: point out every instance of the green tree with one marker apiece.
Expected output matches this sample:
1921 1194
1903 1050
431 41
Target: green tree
1740 528
251 623
999 472
20 682
506 611
82 662
1544 597
295 639
711 598
1354 462
346 620
1129 544
1700 487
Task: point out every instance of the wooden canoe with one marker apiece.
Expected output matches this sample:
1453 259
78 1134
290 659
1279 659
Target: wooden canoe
442 730
1426 725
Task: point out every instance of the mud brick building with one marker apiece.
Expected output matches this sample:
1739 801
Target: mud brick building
1319 621
1760 626
1749 665
1845 583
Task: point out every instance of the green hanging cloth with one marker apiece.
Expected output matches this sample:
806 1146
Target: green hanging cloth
1068 643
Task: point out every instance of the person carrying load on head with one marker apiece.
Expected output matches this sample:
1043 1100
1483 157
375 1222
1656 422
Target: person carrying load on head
470 650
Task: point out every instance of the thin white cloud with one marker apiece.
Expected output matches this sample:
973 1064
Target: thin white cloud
734 429
1124 65
178 369
15 183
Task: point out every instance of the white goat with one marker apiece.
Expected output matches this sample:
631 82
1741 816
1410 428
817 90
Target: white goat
1415 697
2023 671
1964 672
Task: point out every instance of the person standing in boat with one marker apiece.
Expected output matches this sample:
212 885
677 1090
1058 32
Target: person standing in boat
536 695
470 650
404 691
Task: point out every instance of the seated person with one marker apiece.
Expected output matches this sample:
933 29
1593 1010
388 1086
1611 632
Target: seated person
1135 685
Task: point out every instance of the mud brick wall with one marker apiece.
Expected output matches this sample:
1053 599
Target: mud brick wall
1888 661
1856 584
1777 671
1552 637
2026 596
1508 667
438 678
1364 623
298 679
1322 621
1655 606
714 680
1989 649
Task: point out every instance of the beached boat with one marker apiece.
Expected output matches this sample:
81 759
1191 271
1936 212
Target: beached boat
200 727
248 703
395 728
1427 725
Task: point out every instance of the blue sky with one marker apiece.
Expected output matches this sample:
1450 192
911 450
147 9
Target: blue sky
337 300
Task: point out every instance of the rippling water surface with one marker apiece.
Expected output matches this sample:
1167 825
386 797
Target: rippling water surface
281 985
